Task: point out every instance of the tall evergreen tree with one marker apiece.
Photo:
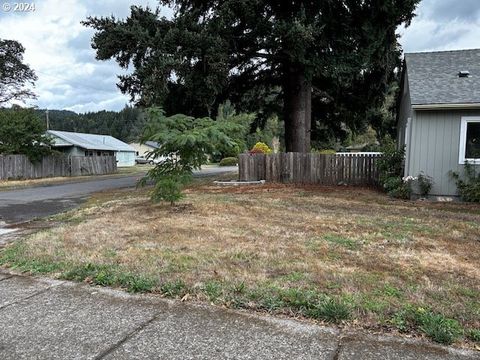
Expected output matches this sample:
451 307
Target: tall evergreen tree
15 76
126 125
217 49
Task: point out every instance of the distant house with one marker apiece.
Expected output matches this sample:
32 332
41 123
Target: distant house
145 148
439 115
79 144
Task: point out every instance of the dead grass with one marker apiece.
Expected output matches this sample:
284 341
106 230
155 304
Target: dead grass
376 254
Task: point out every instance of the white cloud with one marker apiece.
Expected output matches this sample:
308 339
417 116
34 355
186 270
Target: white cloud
58 49
443 25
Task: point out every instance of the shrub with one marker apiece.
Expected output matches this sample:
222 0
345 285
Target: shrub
469 187
397 187
261 148
425 183
391 163
391 170
169 188
392 183
186 145
228 161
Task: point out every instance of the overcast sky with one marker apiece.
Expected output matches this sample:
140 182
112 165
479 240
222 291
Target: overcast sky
69 77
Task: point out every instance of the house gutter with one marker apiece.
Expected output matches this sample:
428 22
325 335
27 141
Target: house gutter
446 106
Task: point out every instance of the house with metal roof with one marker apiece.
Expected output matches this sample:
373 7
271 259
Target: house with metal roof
80 144
439 115
143 149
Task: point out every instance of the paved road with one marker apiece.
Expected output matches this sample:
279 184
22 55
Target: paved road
47 319
28 203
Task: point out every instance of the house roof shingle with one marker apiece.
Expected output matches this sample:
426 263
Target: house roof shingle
433 77
92 141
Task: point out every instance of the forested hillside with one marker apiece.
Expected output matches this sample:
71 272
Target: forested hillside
125 125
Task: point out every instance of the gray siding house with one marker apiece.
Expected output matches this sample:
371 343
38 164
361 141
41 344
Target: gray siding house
79 144
439 115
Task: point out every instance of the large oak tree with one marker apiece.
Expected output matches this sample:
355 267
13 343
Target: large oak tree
342 51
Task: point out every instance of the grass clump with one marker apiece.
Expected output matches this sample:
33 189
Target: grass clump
15 257
173 288
436 326
110 275
306 302
440 329
213 290
341 240
473 334
331 310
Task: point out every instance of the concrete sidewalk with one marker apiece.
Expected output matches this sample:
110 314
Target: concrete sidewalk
46 319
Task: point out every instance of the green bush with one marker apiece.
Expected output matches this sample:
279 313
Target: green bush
391 163
425 183
398 188
228 161
469 187
261 148
391 171
169 188
392 183
187 144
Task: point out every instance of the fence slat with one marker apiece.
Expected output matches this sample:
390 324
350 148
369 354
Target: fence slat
325 169
20 167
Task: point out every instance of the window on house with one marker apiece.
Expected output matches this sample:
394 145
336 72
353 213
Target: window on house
472 148
470 140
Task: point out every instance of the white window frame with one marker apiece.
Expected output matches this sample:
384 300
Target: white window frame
463 139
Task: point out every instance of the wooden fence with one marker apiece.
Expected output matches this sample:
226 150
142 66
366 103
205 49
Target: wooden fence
348 169
19 167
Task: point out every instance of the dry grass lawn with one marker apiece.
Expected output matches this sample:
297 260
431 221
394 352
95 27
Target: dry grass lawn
377 263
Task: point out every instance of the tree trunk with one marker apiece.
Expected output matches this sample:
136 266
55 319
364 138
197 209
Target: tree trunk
297 109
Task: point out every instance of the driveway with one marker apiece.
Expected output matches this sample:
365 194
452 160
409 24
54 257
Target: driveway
40 201
49 319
